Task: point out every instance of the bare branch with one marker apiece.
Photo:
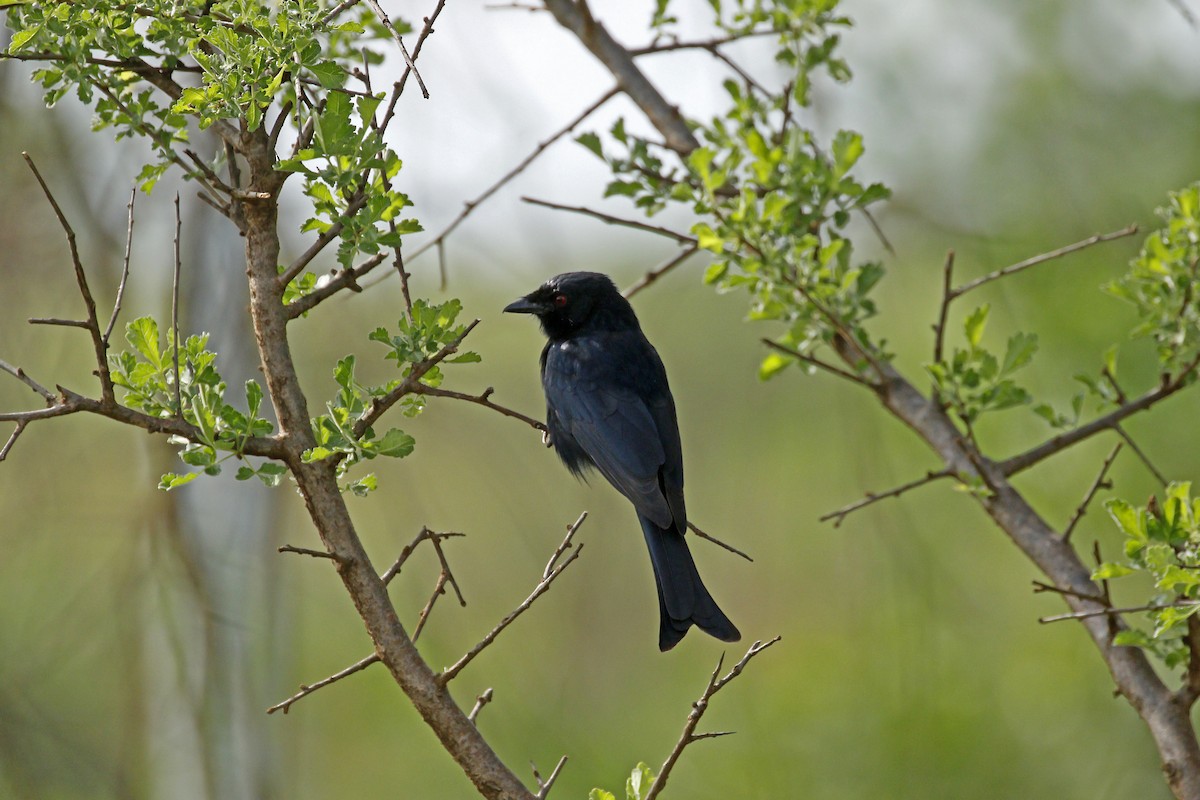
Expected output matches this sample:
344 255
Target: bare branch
818 363
577 18
394 570
398 86
470 205
1145 459
92 325
682 238
482 700
56 321
689 735
702 44
1113 612
692 527
304 551
12 438
1190 690
482 400
387 23
24 378
1096 486
544 786
1040 586
939 330
175 310
306 690
112 319
662 269
840 515
1043 258
548 577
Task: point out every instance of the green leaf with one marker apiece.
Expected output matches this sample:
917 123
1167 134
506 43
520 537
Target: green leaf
142 335
1127 518
592 142
170 480
21 38
329 73
396 443
974 325
772 365
1109 570
316 454
1020 350
639 782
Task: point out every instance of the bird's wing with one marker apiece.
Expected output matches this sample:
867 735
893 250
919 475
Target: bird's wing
613 425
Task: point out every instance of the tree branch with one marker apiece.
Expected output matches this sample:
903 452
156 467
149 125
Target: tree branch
689 735
839 516
682 238
99 345
553 570
1096 486
577 18
662 269
482 400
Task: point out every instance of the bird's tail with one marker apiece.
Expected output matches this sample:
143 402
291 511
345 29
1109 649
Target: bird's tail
683 601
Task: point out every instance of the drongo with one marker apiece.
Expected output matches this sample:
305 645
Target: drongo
608 406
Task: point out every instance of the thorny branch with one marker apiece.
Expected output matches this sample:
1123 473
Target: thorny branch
716 683
839 516
553 570
1097 485
682 238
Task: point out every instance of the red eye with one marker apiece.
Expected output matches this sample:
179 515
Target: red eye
560 300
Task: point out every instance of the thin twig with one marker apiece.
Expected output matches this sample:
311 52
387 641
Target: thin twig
1190 689
939 330
306 690
24 378
92 325
387 23
175 309
692 527
482 700
398 86
682 238
1096 486
1056 444
662 269
112 320
1040 586
818 363
1145 459
394 570
62 323
544 786
689 735
304 551
840 515
1042 258
12 438
1112 612
470 205
548 577
655 48
482 400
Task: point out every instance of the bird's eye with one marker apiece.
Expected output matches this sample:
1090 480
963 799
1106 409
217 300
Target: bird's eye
560 300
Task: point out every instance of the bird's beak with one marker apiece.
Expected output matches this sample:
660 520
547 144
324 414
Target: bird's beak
523 305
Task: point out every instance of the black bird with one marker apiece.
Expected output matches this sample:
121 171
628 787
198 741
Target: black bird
608 406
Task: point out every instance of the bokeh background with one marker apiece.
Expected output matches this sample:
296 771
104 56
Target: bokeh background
142 635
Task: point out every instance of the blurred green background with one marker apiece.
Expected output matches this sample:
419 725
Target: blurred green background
137 654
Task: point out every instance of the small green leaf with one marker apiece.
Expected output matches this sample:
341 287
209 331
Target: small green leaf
316 454
1109 570
21 38
974 325
396 443
170 480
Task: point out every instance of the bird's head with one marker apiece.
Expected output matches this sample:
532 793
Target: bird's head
567 303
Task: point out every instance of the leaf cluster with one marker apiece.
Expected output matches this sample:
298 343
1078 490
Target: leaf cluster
1162 279
418 339
973 380
1162 542
196 395
772 203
